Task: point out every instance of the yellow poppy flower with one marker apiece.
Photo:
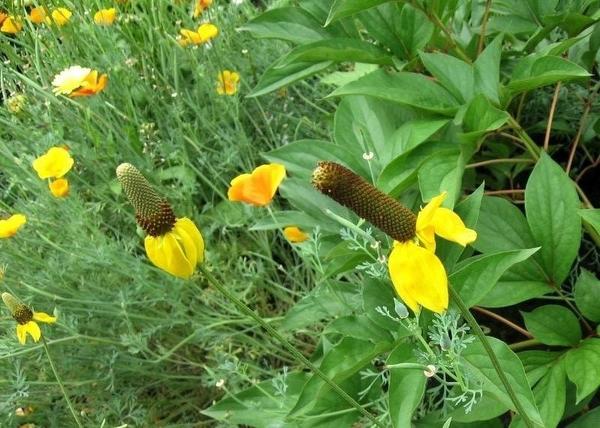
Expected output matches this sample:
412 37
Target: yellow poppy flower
26 318
175 245
60 16
200 6
55 163
228 82
205 33
78 81
10 226
37 15
92 84
59 188
294 234
105 16
259 187
11 25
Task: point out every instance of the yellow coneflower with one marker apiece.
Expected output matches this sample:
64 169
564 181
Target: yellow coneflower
26 318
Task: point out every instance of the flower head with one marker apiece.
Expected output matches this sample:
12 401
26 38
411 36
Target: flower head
59 188
175 245
258 187
55 163
26 318
227 82
294 234
200 6
79 81
60 16
16 103
11 25
205 33
37 15
105 16
10 226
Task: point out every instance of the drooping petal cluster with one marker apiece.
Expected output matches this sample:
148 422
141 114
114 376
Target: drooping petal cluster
10 24
26 318
105 17
205 33
10 226
79 81
258 187
227 83
294 234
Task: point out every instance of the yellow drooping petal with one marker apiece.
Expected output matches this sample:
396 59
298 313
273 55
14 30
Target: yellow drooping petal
450 226
59 188
294 234
259 187
11 25
419 277
10 226
425 216
59 16
30 327
55 163
105 16
21 333
190 227
37 15
44 317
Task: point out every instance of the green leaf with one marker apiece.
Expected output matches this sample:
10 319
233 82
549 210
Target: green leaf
406 387
534 71
477 360
592 216
359 327
404 88
487 71
478 275
287 23
413 28
412 133
343 8
376 294
583 367
587 295
453 74
276 77
553 325
487 407
590 419
512 289
552 205
482 117
442 171
379 24
341 78
336 50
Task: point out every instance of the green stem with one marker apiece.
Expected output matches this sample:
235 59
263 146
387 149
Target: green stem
524 344
525 138
287 345
60 384
488 349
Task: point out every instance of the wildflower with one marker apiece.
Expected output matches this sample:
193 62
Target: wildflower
105 16
418 276
175 245
59 188
37 15
294 234
3 16
200 6
26 318
10 226
227 83
16 103
259 187
79 81
205 33
11 25
55 163
60 16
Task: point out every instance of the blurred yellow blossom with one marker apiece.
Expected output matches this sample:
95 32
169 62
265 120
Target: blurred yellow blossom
26 318
79 81
37 15
10 226
59 187
295 234
105 16
55 163
259 187
15 103
60 16
227 82
205 33
11 25
200 6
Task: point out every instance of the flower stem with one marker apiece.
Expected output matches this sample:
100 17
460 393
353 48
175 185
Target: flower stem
462 307
287 345
60 384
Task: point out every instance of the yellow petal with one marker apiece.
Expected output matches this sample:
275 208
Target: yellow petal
44 317
21 333
187 245
259 187
425 216
105 16
207 32
37 15
54 164
59 188
167 254
190 227
61 16
294 234
449 226
11 25
419 277
154 251
427 237
11 225
33 329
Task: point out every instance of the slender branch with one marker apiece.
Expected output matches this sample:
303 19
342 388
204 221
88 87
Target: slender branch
242 307
586 112
495 161
484 22
524 344
504 192
551 117
525 138
493 358
504 321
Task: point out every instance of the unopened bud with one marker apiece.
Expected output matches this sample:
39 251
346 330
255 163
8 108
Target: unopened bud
19 311
430 371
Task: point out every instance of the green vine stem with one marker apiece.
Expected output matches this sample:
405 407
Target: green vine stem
287 345
462 307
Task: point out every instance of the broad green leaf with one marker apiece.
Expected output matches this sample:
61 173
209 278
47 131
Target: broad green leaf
276 77
442 172
553 325
341 78
583 367
379 23
287 23
587 295
478 361
592 216
538 363
553 217
411 134
343 8
487 71
453 74
410 89
413 28
377 293
534 71
336 50
488 407
512 289
590 419
406 387
478 275
482 117
359 327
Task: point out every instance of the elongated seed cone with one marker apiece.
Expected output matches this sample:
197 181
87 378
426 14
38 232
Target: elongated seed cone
353 192
152 212
19 311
